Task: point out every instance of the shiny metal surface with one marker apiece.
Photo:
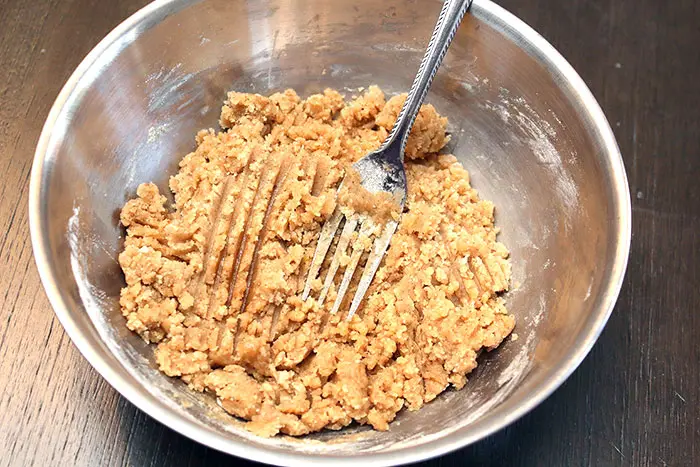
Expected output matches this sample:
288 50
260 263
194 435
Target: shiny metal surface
383 170
522 121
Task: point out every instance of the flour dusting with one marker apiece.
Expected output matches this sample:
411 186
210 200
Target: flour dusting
156 131
540 136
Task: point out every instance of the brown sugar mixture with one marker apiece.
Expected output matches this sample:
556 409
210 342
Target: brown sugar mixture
215 280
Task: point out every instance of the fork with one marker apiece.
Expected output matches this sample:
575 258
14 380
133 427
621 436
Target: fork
382 170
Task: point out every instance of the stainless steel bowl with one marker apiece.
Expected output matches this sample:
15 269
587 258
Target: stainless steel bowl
522 121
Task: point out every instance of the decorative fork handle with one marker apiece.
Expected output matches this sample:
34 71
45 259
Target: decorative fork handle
447 24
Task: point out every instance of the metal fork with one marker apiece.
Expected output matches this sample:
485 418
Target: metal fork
382 170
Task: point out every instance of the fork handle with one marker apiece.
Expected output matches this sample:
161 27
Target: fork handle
447 24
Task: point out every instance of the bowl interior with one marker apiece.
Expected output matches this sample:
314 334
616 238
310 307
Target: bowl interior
518 124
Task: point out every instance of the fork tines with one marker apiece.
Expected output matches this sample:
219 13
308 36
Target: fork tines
368 229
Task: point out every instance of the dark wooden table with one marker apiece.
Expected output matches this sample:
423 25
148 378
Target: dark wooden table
634 401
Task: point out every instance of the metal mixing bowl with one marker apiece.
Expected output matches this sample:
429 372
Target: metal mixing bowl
522 122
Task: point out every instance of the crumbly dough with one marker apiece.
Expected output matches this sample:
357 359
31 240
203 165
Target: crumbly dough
215 279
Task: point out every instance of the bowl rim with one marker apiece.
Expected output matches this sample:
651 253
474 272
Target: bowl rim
156 11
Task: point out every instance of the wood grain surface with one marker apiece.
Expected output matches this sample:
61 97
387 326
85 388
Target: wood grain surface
634 400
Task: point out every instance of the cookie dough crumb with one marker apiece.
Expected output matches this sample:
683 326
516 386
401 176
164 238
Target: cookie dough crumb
214 280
